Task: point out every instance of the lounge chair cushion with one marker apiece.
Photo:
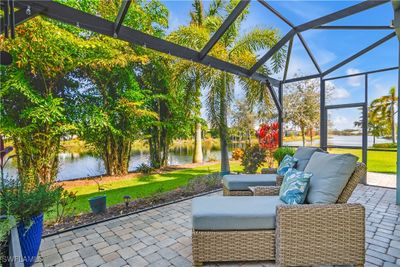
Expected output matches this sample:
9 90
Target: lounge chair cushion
243 181
234 213
303 155
330 175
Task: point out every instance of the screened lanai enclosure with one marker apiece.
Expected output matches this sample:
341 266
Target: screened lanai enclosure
377 36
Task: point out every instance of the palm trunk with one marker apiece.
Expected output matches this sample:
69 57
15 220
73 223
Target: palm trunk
198 151
223 128
393 123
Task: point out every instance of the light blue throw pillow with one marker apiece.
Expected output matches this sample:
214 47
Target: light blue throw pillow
287 163
295 186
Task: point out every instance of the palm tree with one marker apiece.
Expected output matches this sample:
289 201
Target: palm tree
240 49
195 76
383 109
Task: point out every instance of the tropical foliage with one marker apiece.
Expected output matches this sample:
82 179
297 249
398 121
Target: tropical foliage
382 114
301 105
66 81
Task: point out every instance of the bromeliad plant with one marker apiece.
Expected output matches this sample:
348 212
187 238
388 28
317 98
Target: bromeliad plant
268 139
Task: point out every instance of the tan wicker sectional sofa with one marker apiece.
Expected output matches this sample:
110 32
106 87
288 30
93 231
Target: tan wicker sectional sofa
303 235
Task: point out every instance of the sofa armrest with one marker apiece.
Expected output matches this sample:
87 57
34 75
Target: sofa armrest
320 234
266 190
279 180
269 170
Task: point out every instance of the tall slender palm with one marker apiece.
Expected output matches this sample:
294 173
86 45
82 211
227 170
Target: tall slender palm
240 49
383 108
195 76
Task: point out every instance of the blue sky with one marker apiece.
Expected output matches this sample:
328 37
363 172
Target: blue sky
329 47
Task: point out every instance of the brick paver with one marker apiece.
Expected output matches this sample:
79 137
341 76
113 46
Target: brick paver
161 237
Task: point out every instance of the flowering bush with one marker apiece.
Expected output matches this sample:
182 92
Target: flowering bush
237 153
268 139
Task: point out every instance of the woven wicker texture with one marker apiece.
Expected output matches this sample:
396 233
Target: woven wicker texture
209 246
320 234
266 190
358 174
279 180
269 170
227 192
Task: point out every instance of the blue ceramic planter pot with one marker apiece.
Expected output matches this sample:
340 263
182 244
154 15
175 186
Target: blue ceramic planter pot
30 237
98 204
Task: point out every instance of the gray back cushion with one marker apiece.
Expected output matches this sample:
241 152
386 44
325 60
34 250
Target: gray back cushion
303 155
330 175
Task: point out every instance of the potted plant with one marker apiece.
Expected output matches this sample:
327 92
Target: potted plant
28 204
98 204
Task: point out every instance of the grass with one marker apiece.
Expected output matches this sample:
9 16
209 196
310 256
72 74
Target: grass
139 187
378 161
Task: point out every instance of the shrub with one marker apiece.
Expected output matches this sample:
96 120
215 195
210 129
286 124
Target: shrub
281 152
25 203
202 183
253 158
237 153
385 145
144 168
64 207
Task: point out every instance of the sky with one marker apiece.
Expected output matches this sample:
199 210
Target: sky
329 47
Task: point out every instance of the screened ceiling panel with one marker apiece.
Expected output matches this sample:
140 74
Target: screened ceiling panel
333 46
257 28
383 56
299 12
300 63
175 21
381 15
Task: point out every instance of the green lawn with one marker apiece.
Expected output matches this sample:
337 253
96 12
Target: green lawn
142 186
378 161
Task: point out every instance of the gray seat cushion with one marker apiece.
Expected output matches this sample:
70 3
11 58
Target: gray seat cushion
303 155
234 213
243 181
330 175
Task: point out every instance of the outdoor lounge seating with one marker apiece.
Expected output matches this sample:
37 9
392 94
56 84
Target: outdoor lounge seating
262 228
238 185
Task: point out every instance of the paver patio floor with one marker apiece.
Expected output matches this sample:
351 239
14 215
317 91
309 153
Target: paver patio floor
162 237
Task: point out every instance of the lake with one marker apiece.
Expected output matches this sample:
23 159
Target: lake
79 165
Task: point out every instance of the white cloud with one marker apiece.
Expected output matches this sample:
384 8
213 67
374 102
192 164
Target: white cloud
324 56
340 120
337 92
354 81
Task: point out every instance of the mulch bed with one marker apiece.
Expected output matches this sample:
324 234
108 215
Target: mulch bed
120 209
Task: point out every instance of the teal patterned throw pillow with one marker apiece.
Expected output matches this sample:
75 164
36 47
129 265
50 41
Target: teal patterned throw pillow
295 186
287 163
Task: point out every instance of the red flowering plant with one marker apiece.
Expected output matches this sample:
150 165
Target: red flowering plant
268 139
